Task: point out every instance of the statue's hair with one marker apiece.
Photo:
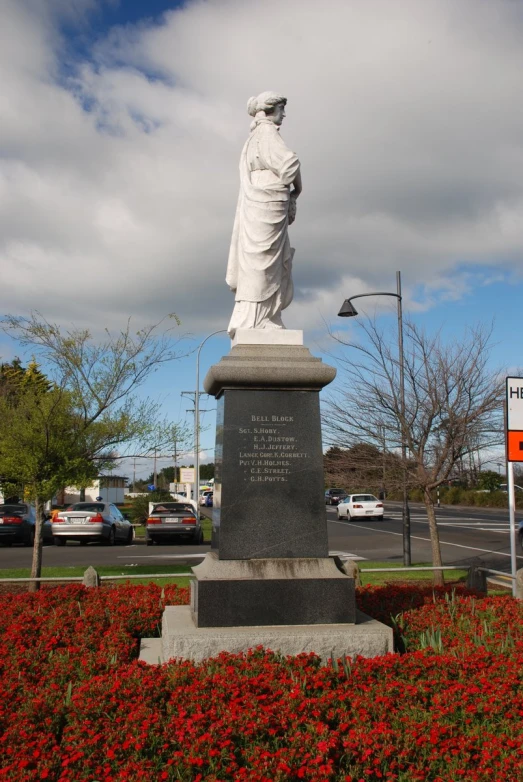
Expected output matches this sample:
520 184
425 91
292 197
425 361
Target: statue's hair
265 101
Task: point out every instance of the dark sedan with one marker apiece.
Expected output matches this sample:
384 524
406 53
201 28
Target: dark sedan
17 525
168 520
334 496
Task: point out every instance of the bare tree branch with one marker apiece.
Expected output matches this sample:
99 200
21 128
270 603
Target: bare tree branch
453 403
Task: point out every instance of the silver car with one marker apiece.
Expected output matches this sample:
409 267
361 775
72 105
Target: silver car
85 521
172 520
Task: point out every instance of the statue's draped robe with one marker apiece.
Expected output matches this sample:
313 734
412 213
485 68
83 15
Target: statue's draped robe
260 258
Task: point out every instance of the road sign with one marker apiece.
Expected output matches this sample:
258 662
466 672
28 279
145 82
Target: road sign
515 419
514 436
515 446
186 474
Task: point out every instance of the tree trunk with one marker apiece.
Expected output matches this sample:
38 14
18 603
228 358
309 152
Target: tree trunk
36 566
439 579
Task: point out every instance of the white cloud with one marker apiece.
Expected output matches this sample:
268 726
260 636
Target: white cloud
118 183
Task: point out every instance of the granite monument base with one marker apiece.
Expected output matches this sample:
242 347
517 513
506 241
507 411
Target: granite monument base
296 591
181 639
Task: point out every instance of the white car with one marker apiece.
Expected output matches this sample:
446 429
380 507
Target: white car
361 506
204 495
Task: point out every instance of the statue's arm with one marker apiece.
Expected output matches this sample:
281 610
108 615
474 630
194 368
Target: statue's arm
297 185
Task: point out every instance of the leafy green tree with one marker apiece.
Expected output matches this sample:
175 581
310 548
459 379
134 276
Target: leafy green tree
207 471
489 480
91 406
43 446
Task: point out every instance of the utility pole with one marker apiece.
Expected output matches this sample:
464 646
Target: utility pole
197 394
405 510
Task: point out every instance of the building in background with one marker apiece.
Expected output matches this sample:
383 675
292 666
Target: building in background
111 488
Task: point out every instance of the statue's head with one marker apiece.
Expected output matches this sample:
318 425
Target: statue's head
268 104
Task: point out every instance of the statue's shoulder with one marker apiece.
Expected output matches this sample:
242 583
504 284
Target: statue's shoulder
265 127
269 133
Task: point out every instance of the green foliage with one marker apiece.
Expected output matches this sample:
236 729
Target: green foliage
15 379
206 471
42 443
490 480
102 377
140 506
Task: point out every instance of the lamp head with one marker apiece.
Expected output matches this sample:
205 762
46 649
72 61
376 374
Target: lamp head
347 310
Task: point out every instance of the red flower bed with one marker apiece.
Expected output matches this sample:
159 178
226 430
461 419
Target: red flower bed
77 706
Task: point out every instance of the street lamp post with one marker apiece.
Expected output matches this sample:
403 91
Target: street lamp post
347 311
197 416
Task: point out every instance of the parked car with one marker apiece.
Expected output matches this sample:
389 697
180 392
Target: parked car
204 495
88 521
17 525
504 487
333 496
360 506
172 520
209 499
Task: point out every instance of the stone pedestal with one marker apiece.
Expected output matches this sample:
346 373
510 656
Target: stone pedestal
269 489
269 579
295 591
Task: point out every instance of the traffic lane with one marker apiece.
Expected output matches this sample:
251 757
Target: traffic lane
99 554
463 538
464 534
457 511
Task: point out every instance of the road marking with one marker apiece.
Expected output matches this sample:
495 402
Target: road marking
501 530
460 523
166 556
443 519
427 540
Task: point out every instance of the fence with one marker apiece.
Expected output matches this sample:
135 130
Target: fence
477 578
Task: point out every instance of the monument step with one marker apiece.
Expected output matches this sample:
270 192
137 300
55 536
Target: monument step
182 639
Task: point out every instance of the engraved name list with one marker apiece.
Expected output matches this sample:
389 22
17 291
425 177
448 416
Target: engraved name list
270 450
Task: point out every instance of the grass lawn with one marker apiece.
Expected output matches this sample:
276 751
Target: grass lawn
451 576
108 570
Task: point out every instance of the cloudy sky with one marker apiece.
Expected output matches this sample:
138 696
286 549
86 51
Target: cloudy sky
121 124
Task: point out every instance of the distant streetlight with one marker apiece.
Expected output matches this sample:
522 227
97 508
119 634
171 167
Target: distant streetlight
197 417
348 311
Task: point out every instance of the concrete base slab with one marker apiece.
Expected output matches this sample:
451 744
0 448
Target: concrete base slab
151 651
182 639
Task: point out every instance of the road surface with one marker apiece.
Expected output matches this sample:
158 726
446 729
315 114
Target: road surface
465 534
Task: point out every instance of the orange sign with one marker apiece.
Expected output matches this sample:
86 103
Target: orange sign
515 446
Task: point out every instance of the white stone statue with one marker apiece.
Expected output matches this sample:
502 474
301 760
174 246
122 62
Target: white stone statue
260 259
